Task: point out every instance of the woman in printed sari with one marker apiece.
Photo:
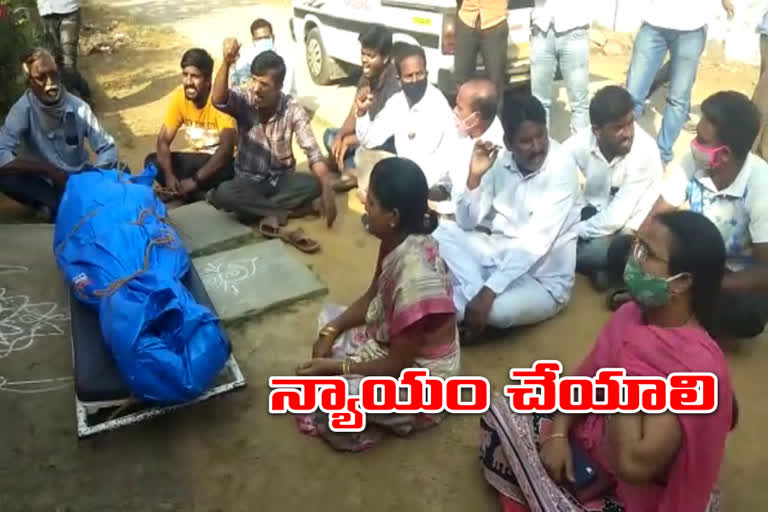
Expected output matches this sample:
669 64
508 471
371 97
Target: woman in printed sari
405 319
643 462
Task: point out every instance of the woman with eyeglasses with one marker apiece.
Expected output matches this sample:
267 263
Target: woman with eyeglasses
631 462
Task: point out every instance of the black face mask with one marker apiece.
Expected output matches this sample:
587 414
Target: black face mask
414 91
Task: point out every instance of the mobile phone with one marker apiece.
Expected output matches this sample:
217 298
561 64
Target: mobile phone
584 470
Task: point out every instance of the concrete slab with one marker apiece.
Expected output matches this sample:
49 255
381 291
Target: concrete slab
256 278
206 230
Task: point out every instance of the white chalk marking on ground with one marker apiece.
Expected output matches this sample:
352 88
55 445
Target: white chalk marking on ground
229 275
30 387
23 322
12 269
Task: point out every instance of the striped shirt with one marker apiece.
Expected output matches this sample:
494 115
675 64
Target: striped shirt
265 152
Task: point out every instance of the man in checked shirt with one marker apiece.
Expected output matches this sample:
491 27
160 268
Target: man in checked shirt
266 186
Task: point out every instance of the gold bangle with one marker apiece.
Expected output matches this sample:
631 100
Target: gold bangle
345 366
553 436
329 330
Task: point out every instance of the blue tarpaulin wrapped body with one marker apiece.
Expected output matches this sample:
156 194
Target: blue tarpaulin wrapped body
123 259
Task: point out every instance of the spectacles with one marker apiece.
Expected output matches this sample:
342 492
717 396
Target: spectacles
642 252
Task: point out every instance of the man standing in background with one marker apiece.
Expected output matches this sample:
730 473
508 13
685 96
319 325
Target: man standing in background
679 27
262 39
560 35
482 28
62 19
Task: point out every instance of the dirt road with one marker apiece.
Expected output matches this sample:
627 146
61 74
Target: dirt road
230 454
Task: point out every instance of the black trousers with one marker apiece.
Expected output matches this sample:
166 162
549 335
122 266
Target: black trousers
735 315
251 201
37 191
187 164
34 191
491 44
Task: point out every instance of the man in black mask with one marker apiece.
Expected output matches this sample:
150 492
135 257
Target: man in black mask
419 117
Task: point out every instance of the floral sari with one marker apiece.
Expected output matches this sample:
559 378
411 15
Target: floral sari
511 441
413 284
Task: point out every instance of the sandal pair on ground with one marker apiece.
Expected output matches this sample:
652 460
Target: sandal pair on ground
270 228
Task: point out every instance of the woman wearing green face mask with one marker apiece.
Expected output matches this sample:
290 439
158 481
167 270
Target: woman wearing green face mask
631 462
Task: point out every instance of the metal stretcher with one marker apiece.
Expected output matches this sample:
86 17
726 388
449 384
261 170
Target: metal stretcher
102 400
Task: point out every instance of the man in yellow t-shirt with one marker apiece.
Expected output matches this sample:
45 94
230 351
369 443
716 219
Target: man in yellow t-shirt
209 133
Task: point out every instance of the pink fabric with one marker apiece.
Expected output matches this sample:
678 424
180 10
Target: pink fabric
413 284
643 350
412 314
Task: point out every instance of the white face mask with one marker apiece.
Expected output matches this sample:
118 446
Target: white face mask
263 45
462 125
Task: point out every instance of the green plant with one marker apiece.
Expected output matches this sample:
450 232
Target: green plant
19 31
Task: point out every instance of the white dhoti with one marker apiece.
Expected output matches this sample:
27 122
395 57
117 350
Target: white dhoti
472 257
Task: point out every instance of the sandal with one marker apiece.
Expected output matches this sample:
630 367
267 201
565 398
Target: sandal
301 241
344 183
270 227
618 299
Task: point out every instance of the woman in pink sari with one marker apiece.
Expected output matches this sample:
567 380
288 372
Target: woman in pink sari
405 319
643 462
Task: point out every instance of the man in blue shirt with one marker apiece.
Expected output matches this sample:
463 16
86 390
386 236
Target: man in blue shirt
61 20
51 125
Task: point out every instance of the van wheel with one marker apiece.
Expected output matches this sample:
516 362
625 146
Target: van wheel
318 62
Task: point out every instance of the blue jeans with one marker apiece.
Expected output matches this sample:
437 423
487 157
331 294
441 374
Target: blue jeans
571 50
349 156
685 49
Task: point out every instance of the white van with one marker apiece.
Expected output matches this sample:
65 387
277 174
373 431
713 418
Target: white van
330 31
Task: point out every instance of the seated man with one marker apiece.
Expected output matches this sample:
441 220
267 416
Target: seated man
418 117
512 249
52 125
263 38
61 21
209 133
266 185
621 165
475 119
380 76
722 180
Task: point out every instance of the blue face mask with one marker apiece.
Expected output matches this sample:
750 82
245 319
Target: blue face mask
263 45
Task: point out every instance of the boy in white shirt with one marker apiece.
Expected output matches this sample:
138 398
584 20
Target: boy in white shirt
622 170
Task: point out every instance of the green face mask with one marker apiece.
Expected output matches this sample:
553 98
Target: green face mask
647 290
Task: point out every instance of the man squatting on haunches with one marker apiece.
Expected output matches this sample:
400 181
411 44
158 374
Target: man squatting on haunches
52 125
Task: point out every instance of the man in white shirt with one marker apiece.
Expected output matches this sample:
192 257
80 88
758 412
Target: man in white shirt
263 39
679 27
418 116
722 180
560 35
512 249
475 118
622 171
